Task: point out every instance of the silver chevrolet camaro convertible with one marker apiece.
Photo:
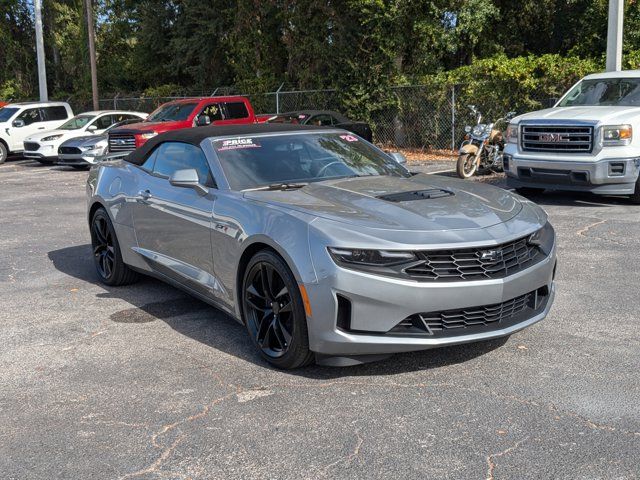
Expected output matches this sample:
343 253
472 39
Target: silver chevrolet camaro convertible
325 247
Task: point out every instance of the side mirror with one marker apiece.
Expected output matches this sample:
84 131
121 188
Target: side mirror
550 102
188 178
399 157
18 123
203 121
92 128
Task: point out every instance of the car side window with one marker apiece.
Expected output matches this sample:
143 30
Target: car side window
52 114
174 156
103 122
30 115
213 111
151 160
321 120
236 110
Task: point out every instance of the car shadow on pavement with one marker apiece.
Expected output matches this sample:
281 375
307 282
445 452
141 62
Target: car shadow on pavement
153 300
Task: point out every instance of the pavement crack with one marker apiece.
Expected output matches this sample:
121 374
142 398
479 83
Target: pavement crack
582 232
155 466
491 459
350 457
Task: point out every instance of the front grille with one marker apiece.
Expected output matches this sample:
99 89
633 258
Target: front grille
474 319
31 146
564 139
121 142
478 263
69 150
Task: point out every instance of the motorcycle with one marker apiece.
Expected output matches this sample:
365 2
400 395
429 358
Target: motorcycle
481 151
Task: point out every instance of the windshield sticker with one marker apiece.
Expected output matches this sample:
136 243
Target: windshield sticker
349 138
235 144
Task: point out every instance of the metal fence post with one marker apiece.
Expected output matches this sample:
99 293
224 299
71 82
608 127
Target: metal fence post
278 98
115 101
453 117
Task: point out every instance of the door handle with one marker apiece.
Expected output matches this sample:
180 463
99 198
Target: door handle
144 195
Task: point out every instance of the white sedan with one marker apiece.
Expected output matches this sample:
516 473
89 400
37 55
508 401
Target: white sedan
44 146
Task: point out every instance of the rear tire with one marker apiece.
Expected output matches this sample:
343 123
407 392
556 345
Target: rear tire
467 165
107 256
4 153
273 312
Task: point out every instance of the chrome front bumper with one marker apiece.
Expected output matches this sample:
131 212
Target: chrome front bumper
377 304
610 176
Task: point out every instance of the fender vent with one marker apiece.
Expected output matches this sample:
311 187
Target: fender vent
428 194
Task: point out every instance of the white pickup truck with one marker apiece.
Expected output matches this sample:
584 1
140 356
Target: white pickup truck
589 141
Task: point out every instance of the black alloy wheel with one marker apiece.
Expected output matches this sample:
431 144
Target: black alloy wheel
274 313
106 252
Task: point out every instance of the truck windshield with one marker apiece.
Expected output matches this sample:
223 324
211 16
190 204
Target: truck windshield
6 113
172 112
262 160
604 92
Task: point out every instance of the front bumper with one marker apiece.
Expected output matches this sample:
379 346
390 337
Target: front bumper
76 159
378 304
43 152
609 176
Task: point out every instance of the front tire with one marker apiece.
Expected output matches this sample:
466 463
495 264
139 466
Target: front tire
635 197
4 153
107 256
274 313
467 165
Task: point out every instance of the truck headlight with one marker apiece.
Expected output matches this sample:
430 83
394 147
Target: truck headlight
613 135
149 135
512 133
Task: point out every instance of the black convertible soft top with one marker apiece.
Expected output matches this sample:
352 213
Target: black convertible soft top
196 135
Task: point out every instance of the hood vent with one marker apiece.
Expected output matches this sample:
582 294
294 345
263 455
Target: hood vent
428 194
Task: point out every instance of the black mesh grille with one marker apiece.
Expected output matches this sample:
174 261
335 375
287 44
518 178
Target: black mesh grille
475 263
474 319
69 150
31 146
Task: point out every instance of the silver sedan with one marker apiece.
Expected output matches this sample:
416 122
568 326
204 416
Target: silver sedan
325 247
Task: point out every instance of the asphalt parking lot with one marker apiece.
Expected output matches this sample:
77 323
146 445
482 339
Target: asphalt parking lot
146 382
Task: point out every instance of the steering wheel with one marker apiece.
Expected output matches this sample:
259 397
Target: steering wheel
324 169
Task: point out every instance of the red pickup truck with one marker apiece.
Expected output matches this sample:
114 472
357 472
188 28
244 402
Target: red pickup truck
183 113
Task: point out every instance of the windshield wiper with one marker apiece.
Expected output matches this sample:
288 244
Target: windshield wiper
279 186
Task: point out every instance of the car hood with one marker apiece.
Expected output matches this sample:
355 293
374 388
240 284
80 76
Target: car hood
391 203
158 127
595 115
37 137
85 140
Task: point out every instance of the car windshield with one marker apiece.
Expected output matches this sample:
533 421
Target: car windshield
262 160
172 112
77 122
6 113
604 92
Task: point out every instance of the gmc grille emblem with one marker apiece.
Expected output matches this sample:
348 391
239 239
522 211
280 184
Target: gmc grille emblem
491 255
553 138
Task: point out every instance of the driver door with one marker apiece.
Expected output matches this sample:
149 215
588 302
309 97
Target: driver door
173 224
33 123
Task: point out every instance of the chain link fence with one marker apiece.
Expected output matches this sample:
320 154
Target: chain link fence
425 121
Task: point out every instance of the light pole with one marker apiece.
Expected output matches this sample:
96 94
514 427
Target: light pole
614 35
42 70
92 54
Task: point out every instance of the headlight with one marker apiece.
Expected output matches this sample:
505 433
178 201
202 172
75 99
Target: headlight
512 133
478 130
51 138
467 129
543 238
149 135
616 135
369 258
